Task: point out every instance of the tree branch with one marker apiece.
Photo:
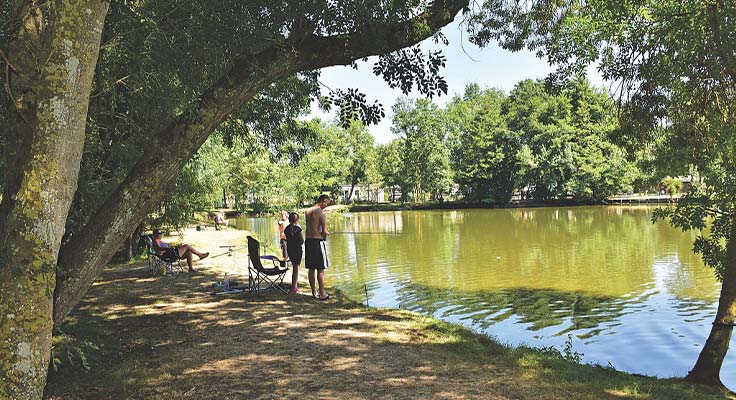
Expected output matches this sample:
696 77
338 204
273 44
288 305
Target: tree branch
319 51
87 252
715 24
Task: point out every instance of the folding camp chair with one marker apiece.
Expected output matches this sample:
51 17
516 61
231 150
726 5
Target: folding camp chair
156 264
272 278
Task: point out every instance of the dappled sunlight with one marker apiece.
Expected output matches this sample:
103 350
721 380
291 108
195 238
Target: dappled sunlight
395 337
404 381
344 363
116 311
348 333
351 321
115 282
237 365
169 337
626 394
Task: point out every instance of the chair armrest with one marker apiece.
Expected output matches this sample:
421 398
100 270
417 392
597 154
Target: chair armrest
275 260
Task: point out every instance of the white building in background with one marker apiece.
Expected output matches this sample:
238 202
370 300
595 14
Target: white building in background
362 193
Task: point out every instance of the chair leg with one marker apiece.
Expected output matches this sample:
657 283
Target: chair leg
170 270
279 283
160 268
156 263
173 268
276 283
260 279
254 280
150 267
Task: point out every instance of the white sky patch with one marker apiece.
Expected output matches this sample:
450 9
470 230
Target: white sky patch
491 67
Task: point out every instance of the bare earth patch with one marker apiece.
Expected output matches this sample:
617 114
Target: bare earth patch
170 338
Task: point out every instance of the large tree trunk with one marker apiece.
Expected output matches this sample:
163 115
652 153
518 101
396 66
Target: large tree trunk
19 101
87 252
36 215
708 367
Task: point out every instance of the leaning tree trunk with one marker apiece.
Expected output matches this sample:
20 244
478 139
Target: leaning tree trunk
708 367
154 175
88 251
34 223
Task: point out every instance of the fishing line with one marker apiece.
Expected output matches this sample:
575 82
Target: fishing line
230 251
363 233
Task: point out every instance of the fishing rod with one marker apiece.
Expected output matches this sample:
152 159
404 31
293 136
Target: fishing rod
230 251
362 233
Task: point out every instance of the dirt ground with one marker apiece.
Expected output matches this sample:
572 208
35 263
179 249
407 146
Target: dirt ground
170 338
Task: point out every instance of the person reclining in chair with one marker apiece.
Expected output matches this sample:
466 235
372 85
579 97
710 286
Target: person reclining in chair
168 253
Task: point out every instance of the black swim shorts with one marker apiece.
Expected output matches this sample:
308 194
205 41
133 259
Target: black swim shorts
315 254
295 254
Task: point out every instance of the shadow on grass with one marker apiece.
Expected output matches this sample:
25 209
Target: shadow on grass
169 338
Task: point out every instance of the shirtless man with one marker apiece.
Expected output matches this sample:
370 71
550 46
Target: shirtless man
315 249
220 220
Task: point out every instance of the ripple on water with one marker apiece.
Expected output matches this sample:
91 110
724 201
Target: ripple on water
628 291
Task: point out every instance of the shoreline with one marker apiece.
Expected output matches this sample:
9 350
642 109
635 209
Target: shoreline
461 205
633 201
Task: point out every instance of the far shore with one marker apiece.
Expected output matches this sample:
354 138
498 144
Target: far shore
459 205
624 200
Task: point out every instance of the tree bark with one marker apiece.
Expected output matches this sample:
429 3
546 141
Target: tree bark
83 257
20 100
87 252
707 368
36 215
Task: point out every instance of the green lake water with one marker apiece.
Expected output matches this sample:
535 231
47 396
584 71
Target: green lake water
631 293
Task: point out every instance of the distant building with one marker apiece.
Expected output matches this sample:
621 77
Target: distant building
363 193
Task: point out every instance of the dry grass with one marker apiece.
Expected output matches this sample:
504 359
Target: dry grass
169 338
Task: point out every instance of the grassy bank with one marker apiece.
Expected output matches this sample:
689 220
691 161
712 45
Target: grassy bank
169 338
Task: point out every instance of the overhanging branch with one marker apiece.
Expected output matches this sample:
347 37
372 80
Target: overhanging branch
319 51
88 251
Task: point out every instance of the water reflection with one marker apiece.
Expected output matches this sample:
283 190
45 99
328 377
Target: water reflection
631 292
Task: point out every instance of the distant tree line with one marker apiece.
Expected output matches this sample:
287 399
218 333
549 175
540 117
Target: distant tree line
484 146
534 142
320 158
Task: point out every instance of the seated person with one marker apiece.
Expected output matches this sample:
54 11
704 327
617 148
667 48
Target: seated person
168 253
220 220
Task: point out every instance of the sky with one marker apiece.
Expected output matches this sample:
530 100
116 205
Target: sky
490 67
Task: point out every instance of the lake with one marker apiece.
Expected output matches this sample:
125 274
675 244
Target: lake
626 292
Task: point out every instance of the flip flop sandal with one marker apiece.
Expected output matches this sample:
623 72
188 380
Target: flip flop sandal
329 296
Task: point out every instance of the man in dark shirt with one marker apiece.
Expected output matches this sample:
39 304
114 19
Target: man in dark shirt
294 241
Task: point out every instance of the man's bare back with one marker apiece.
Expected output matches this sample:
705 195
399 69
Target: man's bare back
315 247
316 222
